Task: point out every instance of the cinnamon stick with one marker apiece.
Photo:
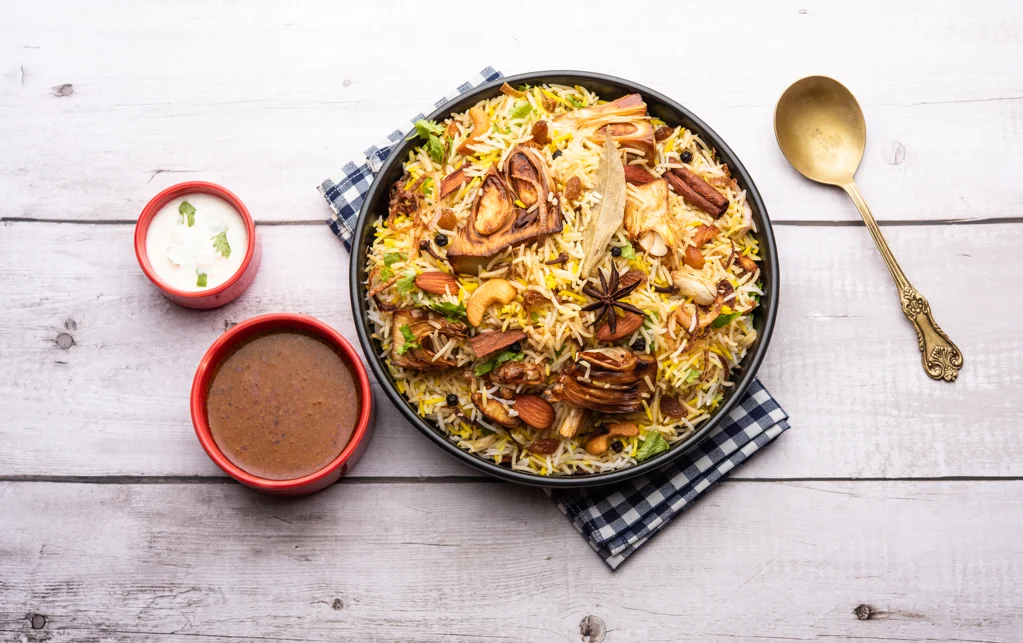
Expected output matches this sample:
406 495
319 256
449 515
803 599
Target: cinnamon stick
697 192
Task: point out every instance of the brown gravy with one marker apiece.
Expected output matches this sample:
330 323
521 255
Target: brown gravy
282 406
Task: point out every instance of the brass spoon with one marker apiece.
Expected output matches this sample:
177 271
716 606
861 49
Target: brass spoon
821 131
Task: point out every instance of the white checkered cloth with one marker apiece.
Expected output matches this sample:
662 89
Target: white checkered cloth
615 520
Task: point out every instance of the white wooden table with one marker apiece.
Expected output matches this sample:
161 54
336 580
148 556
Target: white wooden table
893 510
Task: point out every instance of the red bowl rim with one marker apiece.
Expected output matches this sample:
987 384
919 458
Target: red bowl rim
228 341
160 200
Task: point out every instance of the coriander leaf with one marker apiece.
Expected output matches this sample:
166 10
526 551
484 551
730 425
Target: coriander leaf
407 283
220 244
201 281
392 258
410 340
521 111
485 367
724 320
427 187
453 312
386 274
652 444
187 211
693 376
628 252
435 148
425 128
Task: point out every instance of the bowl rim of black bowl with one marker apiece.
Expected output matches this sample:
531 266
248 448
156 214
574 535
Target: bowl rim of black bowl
607 87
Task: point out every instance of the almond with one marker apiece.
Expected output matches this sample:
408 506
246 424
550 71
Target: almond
623 328
636 175
534 411
487 343
437 283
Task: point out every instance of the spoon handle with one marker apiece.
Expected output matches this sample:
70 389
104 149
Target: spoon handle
941 358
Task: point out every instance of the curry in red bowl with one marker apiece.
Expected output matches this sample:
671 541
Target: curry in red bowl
282 404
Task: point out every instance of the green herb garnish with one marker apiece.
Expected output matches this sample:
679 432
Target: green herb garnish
521 111
187 212
693 376
390 259
407 283
431 131
627 251
653 443
427 187
410 340
575 102
453 312
424 128
201 278
535 317
724 320
220 244
485 367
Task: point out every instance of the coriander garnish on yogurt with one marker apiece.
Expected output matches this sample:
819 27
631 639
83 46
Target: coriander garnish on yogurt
190 239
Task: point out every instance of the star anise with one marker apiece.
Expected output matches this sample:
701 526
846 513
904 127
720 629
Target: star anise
608 299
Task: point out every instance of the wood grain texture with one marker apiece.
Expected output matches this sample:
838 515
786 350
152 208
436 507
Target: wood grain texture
116 101
97 365
489 561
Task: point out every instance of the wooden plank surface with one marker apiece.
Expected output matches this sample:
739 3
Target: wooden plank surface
489 561
839 531
270 100
843 361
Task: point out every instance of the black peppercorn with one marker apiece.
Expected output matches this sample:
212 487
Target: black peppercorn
556 154
516 347
452 399
687 156
616 251
639 345
441 240
617 446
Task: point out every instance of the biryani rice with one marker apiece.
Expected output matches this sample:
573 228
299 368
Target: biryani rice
697 373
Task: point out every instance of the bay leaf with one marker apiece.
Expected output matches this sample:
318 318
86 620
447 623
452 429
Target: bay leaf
611 209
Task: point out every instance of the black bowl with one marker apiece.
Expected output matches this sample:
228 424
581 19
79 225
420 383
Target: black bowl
607 87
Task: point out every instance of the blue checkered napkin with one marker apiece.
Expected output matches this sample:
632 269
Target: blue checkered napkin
617 520
345 193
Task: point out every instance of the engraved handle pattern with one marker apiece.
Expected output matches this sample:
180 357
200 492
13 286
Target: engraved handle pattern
941 358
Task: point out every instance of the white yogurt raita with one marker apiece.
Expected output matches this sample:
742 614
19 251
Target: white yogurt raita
196 242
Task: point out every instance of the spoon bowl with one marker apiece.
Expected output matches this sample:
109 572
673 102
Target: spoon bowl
820 129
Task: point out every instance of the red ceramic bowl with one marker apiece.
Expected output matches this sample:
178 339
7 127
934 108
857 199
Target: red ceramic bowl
237 335
213 297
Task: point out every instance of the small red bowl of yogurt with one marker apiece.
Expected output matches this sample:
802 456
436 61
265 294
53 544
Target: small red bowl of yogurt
197 243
